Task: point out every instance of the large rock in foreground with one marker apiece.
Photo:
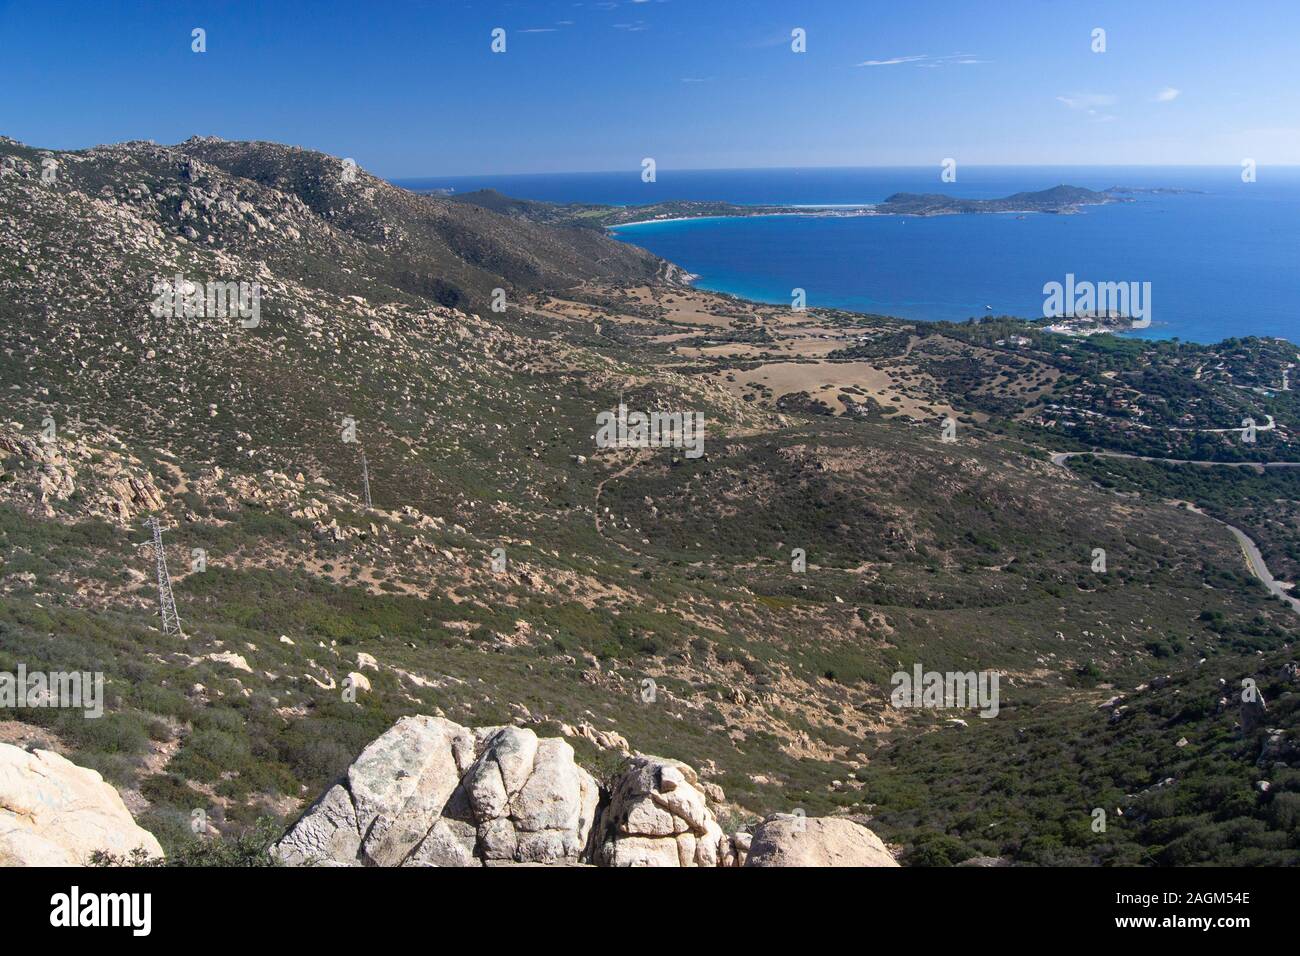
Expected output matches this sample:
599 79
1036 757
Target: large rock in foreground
54 813
785 840
658 816
430 792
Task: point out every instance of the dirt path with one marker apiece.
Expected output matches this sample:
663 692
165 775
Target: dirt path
600 489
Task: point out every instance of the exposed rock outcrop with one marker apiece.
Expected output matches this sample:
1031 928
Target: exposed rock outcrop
604 739
657 816
107 484
787 840
1253 711
54 813
430 792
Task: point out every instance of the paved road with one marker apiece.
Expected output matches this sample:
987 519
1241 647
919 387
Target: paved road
1254 560
1249 550
1061 457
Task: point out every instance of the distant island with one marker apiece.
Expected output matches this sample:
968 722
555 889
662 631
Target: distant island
1058 200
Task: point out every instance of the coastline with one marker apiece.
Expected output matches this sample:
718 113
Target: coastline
855 211
877 266
691 280
806 211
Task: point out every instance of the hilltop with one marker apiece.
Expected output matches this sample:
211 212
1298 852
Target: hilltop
303 212
1058 199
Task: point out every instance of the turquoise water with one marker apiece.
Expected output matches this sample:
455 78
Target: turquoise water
1223 261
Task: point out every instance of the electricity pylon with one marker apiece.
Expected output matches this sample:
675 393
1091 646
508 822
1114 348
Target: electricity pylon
171 620
365 477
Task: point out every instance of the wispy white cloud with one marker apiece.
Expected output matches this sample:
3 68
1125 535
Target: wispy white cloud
1168 94
1087 101
924 59
1091 103
893 61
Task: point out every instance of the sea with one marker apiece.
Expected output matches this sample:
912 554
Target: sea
1222 256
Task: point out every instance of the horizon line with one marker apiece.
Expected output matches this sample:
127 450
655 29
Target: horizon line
635 171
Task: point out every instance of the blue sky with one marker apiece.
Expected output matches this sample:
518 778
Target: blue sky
413 89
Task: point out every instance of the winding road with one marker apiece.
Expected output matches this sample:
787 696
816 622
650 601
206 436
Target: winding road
1255 561
1249 550
1061 457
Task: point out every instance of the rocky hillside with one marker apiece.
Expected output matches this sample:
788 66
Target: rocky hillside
507 571
301 213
